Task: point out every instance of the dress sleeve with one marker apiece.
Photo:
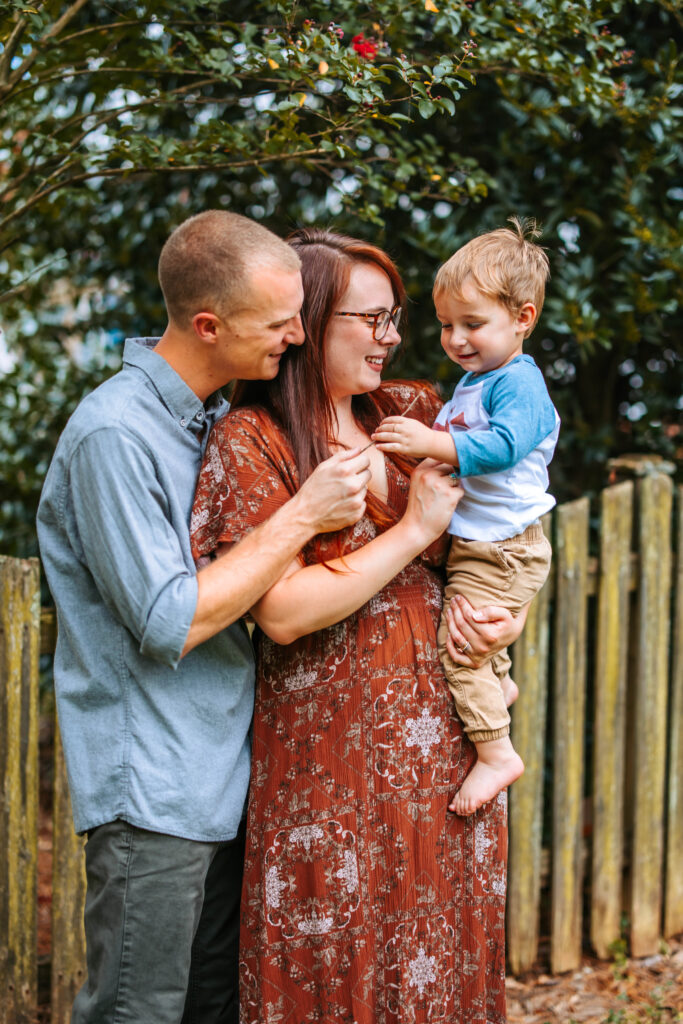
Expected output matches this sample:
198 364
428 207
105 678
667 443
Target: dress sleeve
246 475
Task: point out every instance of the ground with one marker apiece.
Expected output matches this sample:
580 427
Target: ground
620 992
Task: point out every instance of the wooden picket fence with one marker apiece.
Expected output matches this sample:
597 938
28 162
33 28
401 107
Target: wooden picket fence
596 820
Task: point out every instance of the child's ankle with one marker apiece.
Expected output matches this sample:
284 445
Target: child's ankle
496 751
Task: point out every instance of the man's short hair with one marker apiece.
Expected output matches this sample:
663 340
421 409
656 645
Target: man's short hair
505 265
206 264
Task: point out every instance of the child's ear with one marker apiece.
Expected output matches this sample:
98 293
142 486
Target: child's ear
526 318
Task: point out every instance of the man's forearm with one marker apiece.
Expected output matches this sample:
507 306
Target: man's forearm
230 585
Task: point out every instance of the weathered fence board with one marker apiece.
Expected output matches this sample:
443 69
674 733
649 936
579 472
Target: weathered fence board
530 666
673 907
19 639
569 693
649 702
609 734
68 898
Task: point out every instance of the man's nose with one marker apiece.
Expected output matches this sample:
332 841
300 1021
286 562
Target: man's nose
295 335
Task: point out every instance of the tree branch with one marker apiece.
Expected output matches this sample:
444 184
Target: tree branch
17 288
10 49
30 60
120 172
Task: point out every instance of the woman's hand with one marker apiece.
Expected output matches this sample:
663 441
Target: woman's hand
481 633
433 497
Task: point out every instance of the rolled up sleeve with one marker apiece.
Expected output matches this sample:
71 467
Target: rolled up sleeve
122 528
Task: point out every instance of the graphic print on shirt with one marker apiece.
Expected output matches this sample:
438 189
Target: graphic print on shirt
459 421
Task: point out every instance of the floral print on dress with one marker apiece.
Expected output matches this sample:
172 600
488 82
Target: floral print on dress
365 901
312 879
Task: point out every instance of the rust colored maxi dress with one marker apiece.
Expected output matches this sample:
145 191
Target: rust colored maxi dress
365 901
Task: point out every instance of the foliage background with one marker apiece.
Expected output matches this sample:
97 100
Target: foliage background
416 124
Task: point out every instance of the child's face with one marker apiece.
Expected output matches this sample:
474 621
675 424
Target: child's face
479 333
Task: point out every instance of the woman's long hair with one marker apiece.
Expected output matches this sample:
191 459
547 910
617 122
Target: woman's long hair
298 398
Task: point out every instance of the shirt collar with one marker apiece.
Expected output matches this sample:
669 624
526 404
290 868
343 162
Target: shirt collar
176 395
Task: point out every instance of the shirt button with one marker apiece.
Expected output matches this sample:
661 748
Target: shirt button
183 422
200 416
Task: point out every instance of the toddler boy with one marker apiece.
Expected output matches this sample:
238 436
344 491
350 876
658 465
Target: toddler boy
499 431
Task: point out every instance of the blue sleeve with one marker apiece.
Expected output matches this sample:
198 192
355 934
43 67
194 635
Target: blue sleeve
520 414
128 543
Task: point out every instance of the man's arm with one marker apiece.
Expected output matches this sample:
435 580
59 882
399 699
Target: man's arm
311 597
122 532
331 498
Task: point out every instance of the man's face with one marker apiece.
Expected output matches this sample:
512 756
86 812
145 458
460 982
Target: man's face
256 338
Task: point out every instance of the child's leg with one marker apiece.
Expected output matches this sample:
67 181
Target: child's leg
507 573
475 570
501 665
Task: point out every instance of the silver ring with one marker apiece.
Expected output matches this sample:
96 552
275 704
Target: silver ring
465 649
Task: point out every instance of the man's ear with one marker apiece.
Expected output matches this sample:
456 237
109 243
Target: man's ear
206 326
526 318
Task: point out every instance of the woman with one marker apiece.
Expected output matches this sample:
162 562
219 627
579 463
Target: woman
364 900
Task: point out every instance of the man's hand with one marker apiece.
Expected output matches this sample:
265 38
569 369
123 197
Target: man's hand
434 494
482 633
334 494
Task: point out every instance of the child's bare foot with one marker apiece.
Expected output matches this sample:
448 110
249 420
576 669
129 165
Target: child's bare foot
510 690
498 765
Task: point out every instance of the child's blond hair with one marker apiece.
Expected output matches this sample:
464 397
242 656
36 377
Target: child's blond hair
505 265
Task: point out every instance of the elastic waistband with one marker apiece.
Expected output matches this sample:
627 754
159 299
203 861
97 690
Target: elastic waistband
531 535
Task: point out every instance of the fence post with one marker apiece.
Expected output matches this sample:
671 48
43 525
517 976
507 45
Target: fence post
68 897
19 647
530 668
569 697
609 738
673 905
649 703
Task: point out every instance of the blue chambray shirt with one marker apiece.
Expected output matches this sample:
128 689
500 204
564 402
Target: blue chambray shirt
155 740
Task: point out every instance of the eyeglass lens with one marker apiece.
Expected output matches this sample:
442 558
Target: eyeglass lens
383 321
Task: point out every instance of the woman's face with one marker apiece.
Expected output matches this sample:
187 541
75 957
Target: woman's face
354 360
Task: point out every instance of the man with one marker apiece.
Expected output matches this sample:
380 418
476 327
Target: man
153 671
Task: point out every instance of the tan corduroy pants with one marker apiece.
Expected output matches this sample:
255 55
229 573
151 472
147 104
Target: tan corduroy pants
507 573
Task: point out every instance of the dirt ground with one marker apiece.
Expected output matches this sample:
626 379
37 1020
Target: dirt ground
621 992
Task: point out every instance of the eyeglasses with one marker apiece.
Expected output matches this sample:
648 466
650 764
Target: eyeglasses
380 321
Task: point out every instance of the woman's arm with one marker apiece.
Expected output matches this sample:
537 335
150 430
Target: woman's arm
310 598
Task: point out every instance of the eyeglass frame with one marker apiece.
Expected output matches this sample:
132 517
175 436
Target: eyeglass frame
394 318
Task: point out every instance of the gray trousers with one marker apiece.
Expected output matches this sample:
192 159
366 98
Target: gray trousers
162 929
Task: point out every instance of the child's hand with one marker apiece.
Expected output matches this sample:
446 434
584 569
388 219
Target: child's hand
406 436
410 437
